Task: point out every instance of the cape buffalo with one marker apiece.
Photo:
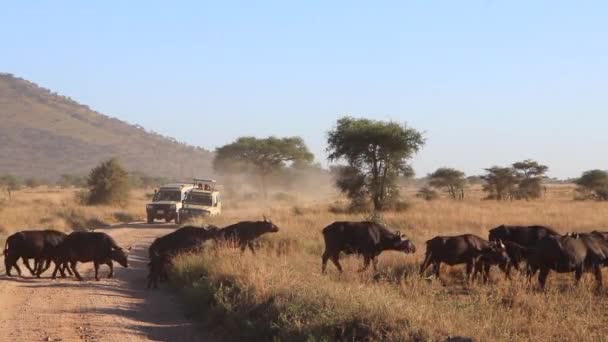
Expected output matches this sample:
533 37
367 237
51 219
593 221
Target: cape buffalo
31 244
462 249
365 238
242 234
578 252
99 248
526 236
182 240
164 248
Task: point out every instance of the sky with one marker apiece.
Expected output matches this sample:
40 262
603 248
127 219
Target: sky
488 82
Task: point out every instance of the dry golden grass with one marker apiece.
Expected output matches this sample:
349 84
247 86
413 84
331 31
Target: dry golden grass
281 293
60 209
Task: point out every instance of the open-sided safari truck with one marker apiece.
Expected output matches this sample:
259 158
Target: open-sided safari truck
203 200
167 202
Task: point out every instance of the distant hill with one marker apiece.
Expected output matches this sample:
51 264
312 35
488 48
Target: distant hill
44 135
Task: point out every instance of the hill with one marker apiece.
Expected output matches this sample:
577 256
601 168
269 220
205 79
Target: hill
43 134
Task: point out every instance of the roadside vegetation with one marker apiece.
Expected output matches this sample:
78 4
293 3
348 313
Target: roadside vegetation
280 293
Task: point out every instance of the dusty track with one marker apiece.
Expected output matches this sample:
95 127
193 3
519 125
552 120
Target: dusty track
119 309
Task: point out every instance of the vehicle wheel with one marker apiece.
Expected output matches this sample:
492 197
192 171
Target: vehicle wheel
150 219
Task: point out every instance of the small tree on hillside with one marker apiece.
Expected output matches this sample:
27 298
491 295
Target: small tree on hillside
530 174
10 183
500 183
450 180
108 183
377 153
261 156
593 184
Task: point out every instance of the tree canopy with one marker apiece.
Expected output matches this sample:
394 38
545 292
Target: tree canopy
523 180
262 156
108 183
376 152
450 180
594 184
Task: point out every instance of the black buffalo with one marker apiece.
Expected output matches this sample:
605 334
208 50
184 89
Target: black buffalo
243 234
365 238
164 248
39 245
578 253
466 249
99 248
526 236
603 234
182 240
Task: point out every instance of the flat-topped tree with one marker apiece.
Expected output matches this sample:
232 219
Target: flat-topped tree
261 156
450 180
377 153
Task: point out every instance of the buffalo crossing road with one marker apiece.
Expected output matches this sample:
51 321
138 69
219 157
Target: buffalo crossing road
119 309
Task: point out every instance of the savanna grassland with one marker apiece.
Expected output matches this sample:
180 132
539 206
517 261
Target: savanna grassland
63 209
281 294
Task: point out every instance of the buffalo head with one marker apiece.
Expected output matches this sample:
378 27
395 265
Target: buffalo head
120 257
407 246
497 253
269 226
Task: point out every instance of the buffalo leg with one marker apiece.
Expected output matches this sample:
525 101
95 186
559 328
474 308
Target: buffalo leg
96 266
73 267
375 263
111 266
578 273
57 267
470 267
542 277
26 262
436 267
324 259
425 263
597 272
336 260
250 245
366 260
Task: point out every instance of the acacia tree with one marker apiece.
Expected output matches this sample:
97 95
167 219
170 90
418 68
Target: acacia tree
530 174
594 184
261 156
450 180
10 183
500 182
377 153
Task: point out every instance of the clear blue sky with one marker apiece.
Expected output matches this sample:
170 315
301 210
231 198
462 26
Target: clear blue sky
490 82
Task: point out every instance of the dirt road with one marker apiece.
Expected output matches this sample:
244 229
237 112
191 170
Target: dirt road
119 309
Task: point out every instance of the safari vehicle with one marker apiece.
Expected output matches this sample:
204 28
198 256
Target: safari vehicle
202 200
167 202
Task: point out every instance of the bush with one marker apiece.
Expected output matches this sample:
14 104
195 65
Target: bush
109 183
593 185
427 194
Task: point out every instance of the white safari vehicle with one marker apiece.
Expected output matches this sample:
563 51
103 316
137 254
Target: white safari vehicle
202 200
167 202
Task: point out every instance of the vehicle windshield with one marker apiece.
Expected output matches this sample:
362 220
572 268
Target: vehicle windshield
199 199
168 195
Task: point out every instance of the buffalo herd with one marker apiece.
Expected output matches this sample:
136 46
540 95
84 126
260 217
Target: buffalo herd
527 249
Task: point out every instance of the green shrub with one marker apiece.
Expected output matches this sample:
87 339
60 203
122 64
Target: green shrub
108 183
